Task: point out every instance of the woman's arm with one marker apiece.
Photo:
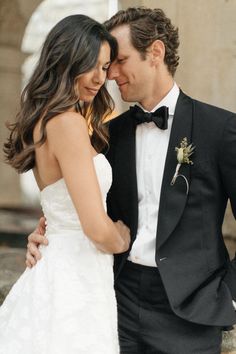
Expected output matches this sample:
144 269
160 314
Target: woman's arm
69 142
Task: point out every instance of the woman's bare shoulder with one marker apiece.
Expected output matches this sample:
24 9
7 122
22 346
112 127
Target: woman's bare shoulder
67 121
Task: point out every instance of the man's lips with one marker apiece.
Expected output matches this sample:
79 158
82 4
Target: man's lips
121 84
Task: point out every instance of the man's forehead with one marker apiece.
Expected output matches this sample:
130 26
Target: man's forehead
121 32
122 35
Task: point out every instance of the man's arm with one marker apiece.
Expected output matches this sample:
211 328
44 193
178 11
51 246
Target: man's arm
227 164
227 160
36 238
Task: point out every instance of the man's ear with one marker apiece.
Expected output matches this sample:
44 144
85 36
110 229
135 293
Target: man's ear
157 52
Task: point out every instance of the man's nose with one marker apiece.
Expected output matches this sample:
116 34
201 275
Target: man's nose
112 72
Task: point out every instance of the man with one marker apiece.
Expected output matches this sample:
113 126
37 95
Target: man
171 183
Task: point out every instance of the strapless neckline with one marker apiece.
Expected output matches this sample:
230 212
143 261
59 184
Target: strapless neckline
60 180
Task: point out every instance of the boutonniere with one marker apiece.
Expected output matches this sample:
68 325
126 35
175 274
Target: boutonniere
184 151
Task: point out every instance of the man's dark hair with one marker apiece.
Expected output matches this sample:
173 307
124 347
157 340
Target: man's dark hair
146 26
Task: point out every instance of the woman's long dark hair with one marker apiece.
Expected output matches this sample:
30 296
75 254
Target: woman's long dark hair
70 49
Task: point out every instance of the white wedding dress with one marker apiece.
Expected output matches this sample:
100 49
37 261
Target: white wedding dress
66 303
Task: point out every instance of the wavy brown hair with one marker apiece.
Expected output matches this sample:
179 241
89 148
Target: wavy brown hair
70 49
147 25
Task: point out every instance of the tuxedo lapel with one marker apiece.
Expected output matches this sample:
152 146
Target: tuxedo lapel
173 198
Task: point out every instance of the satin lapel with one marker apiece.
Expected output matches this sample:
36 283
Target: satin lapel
126 172
173 198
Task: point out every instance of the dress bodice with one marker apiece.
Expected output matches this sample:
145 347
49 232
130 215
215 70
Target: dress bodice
56 202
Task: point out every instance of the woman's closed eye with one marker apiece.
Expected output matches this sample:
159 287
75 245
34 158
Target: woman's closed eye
106 67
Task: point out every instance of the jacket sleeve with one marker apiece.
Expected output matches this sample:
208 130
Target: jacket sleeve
227 162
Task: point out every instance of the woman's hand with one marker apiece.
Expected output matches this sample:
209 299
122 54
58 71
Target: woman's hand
124 232
36 238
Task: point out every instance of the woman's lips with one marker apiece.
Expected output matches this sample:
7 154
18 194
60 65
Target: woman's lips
92 90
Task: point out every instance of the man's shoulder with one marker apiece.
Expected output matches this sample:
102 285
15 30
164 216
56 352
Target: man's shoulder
119 119
209 111
212 108
208 107
118 122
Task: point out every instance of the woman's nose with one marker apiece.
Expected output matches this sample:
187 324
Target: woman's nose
100 76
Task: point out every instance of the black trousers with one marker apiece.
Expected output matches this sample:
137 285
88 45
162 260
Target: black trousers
147 324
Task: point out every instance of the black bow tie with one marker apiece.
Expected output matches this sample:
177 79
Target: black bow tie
159 117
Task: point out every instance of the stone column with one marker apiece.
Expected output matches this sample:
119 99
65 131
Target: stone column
14 16
10 79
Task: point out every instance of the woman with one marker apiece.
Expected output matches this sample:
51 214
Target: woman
66 303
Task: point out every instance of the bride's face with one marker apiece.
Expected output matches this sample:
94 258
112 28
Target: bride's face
89 83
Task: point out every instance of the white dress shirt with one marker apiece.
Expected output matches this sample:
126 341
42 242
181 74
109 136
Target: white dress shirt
151 150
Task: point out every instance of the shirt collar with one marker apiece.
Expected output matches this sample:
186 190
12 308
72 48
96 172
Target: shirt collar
169 100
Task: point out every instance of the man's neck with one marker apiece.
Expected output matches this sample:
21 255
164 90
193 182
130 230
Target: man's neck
159 92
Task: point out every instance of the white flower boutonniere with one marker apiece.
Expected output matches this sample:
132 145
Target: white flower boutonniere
183 156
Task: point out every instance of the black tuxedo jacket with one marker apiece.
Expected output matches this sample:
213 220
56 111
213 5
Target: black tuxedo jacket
198 276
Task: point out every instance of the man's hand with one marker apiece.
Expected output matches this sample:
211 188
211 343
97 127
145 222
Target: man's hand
35 239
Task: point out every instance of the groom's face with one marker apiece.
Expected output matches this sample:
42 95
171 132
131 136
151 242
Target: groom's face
133 74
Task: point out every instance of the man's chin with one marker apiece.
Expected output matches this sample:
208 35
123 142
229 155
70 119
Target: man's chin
127 98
